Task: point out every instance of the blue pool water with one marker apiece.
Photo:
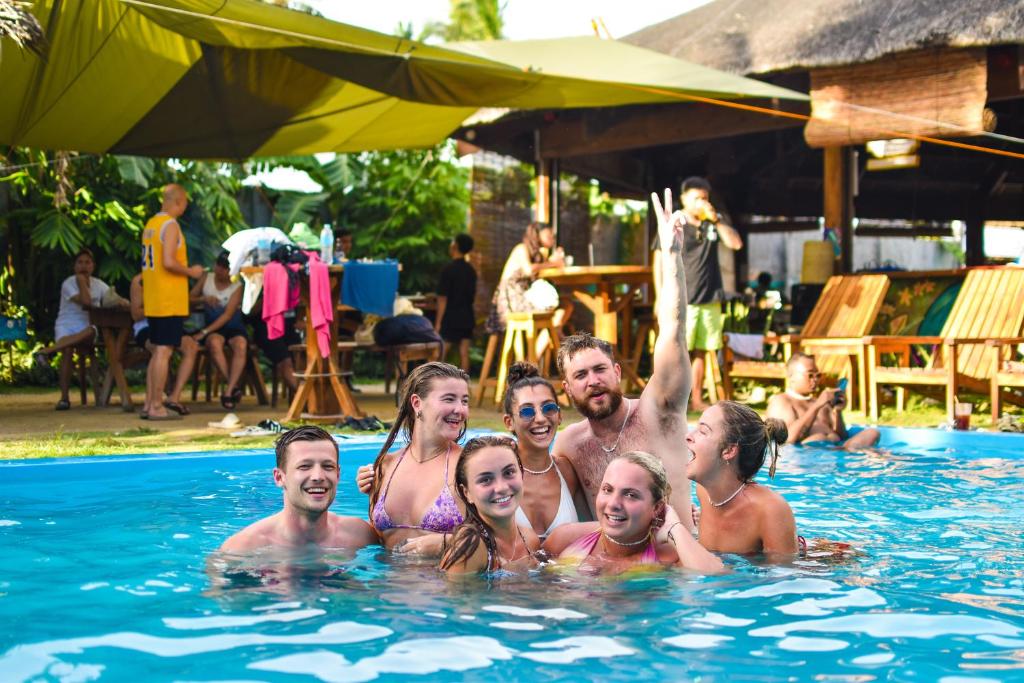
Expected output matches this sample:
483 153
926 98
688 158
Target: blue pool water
103 577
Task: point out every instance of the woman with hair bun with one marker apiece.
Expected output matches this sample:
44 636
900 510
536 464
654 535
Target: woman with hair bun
489 482
738 515
552 495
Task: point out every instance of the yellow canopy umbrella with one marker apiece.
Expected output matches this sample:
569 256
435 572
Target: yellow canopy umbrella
232 79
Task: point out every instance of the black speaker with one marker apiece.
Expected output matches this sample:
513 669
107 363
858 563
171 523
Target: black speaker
804 297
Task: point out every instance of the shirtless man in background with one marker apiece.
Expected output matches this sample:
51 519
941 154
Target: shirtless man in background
809 418
655 422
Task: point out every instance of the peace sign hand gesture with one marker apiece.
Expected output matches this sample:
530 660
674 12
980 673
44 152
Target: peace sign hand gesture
668 220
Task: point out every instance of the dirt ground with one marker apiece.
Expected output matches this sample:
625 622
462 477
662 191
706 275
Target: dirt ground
30 427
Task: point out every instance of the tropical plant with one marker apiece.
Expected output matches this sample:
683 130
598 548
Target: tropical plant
18 24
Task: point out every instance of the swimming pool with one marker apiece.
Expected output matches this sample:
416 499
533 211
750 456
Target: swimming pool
102 577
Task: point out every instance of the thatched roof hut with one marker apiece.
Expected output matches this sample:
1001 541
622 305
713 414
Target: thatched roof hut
771 36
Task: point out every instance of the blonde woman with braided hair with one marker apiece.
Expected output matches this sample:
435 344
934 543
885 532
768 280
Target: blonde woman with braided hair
635 525
738 515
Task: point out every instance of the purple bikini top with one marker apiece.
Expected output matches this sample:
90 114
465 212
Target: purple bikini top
442 517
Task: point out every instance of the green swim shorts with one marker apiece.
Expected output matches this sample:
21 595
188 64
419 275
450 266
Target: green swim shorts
704 324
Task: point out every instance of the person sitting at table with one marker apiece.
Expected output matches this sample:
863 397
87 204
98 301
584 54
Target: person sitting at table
536 252
276 350
222 300
189 349
456 290
412 490
78 293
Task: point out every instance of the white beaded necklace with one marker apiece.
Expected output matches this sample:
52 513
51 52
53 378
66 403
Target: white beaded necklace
734 494
614 446
543 471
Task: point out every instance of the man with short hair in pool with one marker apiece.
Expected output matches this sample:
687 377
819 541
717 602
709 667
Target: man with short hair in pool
654 423
307 472
809 418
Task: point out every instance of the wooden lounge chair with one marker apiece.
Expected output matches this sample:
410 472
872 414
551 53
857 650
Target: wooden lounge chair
1004 376
990 306
846 309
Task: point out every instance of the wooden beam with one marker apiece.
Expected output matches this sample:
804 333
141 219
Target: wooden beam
621 170
838 201
623 128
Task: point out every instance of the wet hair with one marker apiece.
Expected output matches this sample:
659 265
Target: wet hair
695 183
660 488
464 243
303 433
84 251
574 344
754 437
467 536
520 376
795 360
420 382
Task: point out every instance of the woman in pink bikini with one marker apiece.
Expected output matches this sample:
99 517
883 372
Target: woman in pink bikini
412 491
635 525
489 481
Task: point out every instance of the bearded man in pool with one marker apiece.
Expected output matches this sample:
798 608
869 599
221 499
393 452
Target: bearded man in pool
655 422
307 473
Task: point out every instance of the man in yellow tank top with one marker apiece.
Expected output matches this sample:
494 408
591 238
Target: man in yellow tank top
165 274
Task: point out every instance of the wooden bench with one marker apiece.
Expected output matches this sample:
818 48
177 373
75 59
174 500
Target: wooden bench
989 307
846 309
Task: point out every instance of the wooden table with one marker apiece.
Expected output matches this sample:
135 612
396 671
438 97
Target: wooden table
607 305
115 324
321 388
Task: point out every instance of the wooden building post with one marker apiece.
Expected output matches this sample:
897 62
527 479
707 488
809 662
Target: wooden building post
974 253
838 201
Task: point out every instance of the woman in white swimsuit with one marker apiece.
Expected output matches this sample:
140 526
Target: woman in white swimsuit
550 489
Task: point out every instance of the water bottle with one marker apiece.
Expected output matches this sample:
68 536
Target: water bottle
327 244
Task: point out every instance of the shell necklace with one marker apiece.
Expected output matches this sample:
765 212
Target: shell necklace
734 494
614 446
543 471
645 539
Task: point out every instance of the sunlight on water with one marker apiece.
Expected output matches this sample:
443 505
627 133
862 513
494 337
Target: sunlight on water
105 578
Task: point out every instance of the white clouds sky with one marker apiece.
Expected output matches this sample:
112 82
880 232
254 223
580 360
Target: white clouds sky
523 18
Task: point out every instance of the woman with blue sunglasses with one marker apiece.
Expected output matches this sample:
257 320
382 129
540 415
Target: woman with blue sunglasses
551 492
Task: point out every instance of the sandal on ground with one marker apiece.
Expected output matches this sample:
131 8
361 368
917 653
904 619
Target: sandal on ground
160 418
63 404
227 401
143 415
237 394
177 407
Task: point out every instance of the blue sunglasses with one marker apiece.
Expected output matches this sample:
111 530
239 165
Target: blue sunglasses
548 409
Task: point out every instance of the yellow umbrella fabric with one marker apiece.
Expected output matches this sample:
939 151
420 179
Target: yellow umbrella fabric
231 79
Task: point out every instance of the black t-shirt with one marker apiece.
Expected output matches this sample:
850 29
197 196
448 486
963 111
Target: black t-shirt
700 264
458 283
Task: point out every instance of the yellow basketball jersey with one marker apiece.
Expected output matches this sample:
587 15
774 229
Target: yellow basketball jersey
164 293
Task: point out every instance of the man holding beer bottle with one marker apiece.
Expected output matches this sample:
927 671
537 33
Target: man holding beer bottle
701 230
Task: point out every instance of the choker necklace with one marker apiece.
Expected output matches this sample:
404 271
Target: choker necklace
734 494
447 451
798 396
634 544
614 446
543 471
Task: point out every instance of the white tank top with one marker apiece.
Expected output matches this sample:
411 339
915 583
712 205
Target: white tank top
223 295
566 513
